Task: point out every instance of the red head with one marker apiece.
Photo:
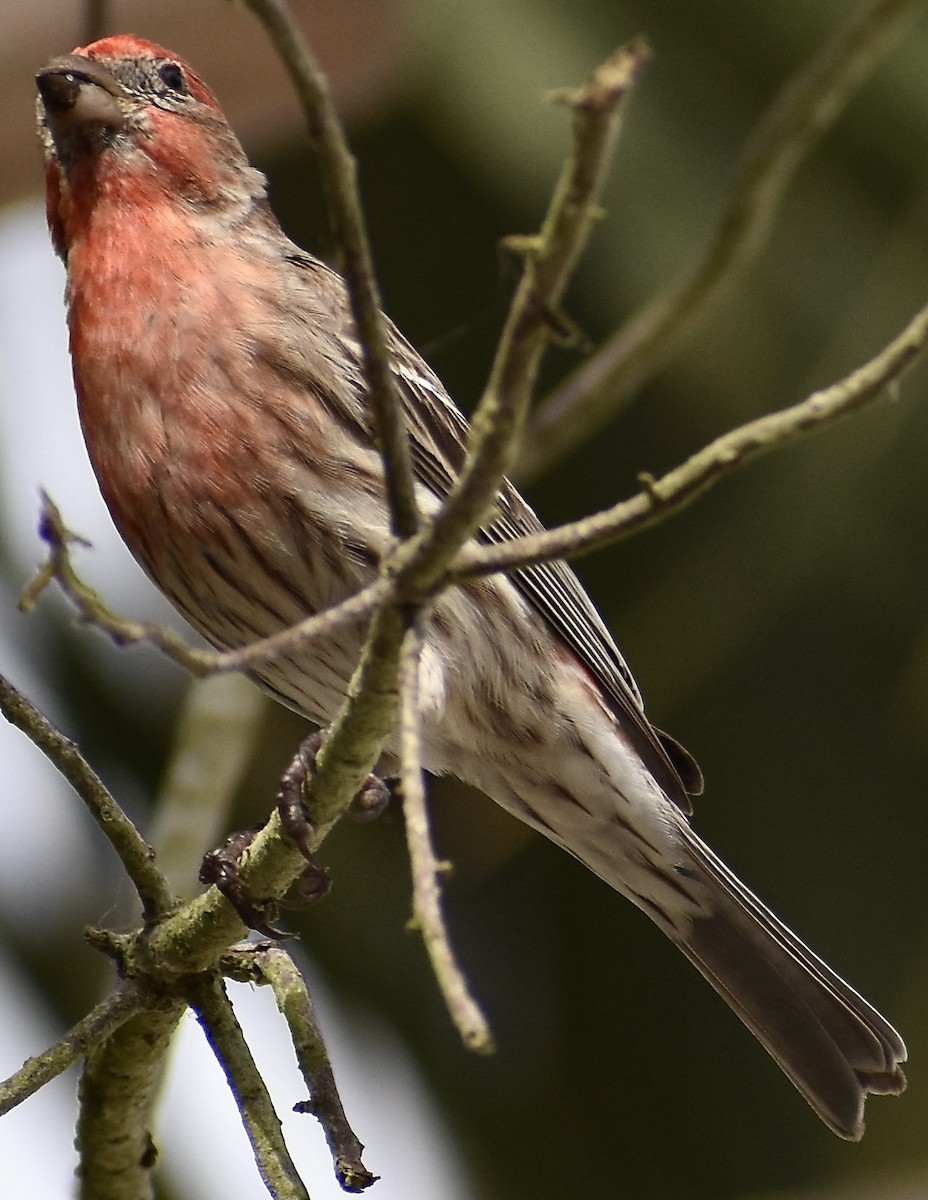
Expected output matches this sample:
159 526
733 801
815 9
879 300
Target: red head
125 122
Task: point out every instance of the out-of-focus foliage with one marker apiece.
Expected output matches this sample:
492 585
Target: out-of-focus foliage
779 628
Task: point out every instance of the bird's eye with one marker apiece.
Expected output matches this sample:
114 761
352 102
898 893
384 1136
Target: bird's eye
172 77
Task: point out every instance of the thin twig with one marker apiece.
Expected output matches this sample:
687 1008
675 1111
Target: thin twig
549 260
90 609
660 498
355 609
339 175
134 852
802 112
427 870
90 1031
279 970
224 1034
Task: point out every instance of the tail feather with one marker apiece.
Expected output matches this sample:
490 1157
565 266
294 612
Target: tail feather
827 1039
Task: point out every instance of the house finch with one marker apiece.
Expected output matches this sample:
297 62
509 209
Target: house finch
223 404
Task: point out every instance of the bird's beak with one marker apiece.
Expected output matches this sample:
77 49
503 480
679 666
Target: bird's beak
78 94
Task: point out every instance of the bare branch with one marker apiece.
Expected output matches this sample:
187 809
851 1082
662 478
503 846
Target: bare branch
803 111
90 608
549 260
123 632
661 498
193 938
278 969
118 1093
121 1074
355 608
224 1034
339 175
91 1030
428 917
134 852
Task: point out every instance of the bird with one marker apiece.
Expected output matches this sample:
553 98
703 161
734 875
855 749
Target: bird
222 398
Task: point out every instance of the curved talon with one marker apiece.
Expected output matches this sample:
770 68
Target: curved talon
313 885
371 800
221 867
294 817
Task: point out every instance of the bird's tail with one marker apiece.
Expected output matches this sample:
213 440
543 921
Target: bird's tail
828 1040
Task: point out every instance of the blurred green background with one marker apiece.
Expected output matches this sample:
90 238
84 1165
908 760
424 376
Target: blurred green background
778 628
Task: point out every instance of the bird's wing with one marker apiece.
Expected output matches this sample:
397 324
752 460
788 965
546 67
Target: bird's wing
438 443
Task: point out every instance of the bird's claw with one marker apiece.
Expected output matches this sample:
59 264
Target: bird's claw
369 802
221 867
